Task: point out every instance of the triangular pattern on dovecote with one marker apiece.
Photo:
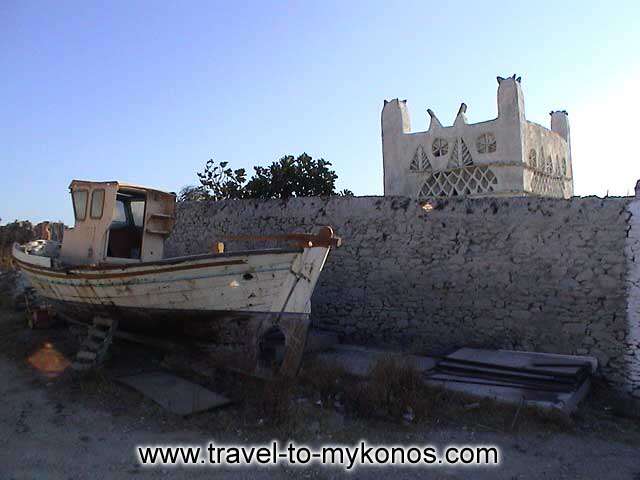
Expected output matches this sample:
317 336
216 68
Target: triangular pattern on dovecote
460 155
420 161
465 160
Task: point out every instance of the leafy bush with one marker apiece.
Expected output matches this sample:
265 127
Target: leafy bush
288 177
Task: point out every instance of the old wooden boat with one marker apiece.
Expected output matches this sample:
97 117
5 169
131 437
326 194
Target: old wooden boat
252 305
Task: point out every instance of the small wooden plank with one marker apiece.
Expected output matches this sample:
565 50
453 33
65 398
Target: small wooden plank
85 355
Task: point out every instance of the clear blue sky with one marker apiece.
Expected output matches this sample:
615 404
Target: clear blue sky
146 92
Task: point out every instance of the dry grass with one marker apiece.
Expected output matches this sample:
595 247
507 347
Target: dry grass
395 389
93 382
326 381
274 404
268 403
5 301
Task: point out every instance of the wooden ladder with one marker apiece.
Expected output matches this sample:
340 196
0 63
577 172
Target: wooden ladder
94 349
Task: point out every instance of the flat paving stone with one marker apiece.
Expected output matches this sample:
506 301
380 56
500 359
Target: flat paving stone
175 394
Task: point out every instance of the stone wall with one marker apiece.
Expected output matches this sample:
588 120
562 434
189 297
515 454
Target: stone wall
523 273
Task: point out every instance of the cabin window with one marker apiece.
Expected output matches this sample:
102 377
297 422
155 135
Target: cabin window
97 203
80 198
137 212
127 223
119 215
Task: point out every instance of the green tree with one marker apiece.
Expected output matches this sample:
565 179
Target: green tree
193 193
293 177
288 177
220 181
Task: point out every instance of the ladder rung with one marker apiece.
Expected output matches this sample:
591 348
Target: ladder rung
94 332
85 355
95 346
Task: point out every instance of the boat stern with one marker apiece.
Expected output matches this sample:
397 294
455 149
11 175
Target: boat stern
38 253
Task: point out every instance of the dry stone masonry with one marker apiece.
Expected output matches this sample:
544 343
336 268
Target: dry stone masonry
550 275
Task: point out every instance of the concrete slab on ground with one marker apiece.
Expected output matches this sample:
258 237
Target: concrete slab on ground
175 394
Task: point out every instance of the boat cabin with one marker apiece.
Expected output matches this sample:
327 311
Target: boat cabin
117 223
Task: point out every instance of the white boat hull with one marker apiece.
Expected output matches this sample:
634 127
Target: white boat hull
232 300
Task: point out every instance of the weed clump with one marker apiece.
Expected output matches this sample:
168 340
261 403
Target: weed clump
395 389
327 381
275 402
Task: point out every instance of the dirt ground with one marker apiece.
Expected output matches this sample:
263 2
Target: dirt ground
60 426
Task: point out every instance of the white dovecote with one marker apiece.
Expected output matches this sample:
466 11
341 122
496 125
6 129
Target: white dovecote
506 156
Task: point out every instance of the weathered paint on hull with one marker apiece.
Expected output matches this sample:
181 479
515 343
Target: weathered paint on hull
255 282
231 301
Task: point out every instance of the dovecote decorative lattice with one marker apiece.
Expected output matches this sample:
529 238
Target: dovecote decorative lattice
472 180
547 185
